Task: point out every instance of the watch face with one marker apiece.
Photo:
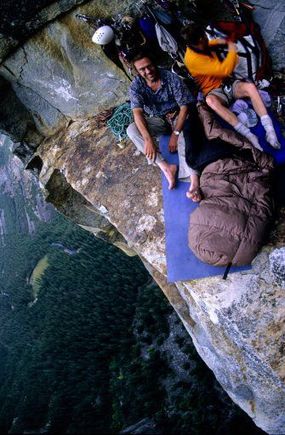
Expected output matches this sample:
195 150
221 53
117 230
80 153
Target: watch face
176 132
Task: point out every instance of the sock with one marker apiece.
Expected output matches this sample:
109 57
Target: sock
244 131
270 132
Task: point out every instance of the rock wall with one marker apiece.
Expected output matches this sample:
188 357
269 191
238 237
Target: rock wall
58 80
271 18
60 75
20 19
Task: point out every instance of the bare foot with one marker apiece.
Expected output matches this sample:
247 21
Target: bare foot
195 194
170 172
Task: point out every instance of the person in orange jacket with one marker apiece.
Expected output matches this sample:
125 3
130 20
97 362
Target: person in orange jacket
209 72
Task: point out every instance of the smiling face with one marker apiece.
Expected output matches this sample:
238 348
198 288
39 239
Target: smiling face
146 69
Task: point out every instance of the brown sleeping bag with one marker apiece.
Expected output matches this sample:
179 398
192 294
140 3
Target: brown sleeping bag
230 223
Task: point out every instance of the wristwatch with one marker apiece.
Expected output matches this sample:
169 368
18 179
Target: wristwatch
176 132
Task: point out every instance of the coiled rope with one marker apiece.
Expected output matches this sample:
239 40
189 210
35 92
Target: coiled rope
120 120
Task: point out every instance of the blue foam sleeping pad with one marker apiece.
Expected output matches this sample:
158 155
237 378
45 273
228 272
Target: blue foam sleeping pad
182 264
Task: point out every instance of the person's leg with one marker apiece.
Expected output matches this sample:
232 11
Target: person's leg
218 106
169 172
185 171
157 127
194 191
249 90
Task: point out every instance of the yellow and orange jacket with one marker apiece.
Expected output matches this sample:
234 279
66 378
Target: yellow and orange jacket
207 70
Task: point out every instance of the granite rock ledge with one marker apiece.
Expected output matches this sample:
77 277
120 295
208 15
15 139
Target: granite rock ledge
237 325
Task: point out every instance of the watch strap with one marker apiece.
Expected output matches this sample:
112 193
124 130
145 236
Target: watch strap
176 132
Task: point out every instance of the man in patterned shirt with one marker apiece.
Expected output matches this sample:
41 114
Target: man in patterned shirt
160 103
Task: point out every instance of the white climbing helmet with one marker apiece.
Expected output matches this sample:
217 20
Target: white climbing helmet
103 35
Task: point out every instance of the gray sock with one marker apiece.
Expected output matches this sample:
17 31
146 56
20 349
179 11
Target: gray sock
270 132
244 131
266 121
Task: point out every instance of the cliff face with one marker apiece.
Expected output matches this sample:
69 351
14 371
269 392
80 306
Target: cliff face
271 19
57 81
18 216
237 325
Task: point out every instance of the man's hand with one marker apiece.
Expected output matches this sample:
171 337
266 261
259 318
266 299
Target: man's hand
149 149
173 142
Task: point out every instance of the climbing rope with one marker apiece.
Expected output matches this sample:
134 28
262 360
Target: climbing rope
120 120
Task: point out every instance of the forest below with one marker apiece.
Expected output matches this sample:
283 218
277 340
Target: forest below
88 342
91 345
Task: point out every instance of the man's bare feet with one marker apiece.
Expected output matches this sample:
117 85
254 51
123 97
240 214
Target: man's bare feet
194 191
169 172
195 194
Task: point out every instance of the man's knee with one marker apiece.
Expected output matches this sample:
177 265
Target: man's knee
248 89
213 101
132 130
135 136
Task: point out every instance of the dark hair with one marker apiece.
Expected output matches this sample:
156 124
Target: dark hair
140 55
193 33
